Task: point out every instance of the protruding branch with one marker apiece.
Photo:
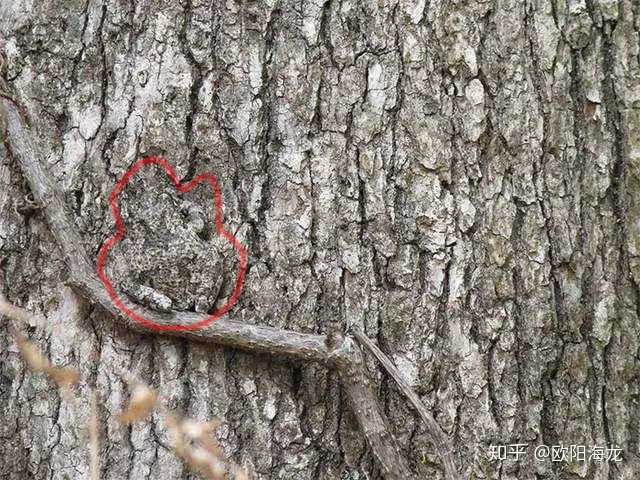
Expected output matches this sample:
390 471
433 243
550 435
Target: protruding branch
439 439
362 398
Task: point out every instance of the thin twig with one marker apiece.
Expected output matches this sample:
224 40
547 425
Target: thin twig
11 311
439 439
65 378
361 393
94 438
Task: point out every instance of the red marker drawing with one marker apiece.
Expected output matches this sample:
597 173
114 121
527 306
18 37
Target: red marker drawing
121 232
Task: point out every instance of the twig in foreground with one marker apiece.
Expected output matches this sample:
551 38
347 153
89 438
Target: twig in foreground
65 378
94 438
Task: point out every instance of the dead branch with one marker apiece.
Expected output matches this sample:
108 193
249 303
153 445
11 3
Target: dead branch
362 398
439 439
94 438
346 357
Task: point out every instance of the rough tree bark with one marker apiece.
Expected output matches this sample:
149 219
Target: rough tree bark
461 180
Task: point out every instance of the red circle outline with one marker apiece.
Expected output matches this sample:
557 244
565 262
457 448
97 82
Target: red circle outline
121 232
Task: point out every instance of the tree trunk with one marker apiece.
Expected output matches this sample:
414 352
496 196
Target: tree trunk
461 180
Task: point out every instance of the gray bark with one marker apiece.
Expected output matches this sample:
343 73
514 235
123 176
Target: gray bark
459 180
